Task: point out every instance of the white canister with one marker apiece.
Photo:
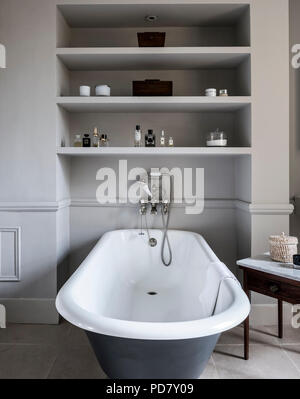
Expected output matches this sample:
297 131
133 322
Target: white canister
102 90
85 91
211 92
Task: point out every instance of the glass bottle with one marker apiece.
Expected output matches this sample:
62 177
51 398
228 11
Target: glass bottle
96 138
171 141
138 136
77 141
216 139
162 140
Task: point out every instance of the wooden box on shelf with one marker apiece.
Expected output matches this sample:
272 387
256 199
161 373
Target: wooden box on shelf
151 39
153 87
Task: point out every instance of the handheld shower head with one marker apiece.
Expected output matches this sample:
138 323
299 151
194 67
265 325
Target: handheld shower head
145 188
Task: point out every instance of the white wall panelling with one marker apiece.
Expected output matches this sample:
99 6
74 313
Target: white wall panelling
10 253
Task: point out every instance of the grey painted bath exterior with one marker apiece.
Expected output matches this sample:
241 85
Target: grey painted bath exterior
126 358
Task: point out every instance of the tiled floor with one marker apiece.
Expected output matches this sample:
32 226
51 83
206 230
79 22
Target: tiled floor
41 351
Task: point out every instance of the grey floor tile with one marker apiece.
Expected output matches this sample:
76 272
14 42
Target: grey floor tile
210 372
26 361
63 351
261 335
77 336
265 362
290 335
35 334
293 352
76 362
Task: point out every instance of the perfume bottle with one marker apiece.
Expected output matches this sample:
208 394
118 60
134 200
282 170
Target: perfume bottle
162 140
138 137
150 139
86 141
77 141
96 138
171 142
104 142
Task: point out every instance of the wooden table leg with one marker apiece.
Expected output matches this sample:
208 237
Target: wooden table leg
280 319
246 339
246 322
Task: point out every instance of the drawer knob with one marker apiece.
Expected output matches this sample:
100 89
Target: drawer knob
274 288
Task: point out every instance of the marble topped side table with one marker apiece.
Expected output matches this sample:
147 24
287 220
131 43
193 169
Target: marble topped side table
277 280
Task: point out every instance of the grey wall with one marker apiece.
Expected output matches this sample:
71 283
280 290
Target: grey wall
27 155
295 118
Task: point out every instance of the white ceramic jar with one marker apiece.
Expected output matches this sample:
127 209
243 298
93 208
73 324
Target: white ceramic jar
102 90
85 91
211 92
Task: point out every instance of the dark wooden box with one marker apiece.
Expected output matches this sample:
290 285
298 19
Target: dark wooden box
151 39
154 87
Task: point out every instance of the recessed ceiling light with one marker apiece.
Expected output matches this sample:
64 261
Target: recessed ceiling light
151 18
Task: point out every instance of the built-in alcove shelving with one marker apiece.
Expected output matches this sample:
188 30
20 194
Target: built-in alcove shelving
207 45
157 58
192 70
153 104
192 151
187 120
116 25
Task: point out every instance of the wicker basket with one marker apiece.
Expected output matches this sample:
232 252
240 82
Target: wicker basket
282 248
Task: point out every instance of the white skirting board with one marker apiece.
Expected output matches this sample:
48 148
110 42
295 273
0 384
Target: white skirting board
30 310
43 311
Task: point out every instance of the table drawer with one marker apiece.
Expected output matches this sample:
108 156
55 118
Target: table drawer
273 287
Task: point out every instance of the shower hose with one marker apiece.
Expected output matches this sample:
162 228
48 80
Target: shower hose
165 233
166 239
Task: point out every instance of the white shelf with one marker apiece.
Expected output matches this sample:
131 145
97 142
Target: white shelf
90 151
154 58
153 104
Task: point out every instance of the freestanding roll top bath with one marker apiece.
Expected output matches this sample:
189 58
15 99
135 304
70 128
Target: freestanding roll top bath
145 320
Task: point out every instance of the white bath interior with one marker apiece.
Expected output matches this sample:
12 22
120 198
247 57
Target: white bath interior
122 289
184 292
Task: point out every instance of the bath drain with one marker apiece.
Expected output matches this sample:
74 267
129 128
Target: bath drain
152 293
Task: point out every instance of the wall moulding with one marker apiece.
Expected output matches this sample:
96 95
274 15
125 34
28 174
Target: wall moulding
34 206
10 254
210 203
271 209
